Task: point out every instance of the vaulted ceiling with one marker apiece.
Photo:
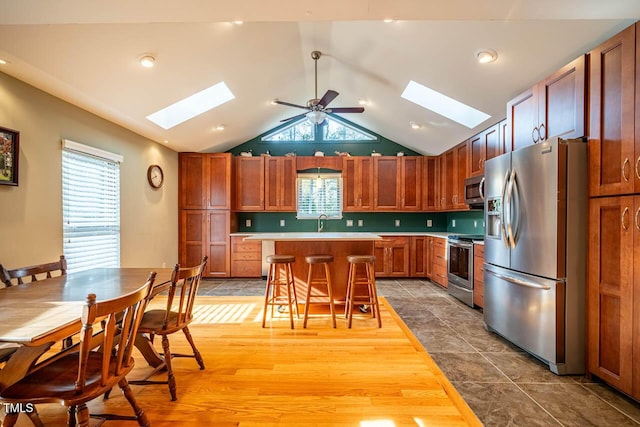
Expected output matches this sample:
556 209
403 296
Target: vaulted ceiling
87 53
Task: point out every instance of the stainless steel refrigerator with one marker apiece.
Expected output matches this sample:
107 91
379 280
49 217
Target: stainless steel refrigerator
535 251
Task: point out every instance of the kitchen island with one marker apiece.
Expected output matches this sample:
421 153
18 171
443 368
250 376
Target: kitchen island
340 245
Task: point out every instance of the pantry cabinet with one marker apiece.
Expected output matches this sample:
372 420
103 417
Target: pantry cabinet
205 181
553 107
205 232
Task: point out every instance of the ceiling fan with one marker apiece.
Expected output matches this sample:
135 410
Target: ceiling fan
318 107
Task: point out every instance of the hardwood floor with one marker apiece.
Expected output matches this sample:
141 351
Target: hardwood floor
362 376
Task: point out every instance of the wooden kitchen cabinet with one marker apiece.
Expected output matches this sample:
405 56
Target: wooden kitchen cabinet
438 260
357 178
431 183
392 256
553 107
410 183
205 232
249 184
482 147
280 184
613 299
614 143
454 169
246 257
205 181
419 256
315 162
478 275
397 183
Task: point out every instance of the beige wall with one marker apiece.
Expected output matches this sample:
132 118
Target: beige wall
31 214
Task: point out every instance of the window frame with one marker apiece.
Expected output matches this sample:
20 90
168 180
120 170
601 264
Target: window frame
335 214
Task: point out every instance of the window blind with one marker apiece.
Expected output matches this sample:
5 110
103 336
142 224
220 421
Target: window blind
91 210
319 194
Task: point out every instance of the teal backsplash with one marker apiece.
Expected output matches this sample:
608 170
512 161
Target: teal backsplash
465 222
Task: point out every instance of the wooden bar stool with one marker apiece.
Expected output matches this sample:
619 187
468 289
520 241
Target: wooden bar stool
320 261
277 286
368 279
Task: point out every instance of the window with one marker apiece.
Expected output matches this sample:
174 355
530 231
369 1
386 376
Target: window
319 194
91 207
332 130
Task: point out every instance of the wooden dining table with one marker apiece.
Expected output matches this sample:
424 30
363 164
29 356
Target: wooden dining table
36 315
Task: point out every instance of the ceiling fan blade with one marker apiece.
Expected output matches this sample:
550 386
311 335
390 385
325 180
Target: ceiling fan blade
347 110
329 96
294 117
288 104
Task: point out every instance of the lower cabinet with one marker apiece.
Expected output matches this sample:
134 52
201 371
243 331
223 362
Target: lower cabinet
478 275
205 232
438 260
392 256
419 253
246 257
613 292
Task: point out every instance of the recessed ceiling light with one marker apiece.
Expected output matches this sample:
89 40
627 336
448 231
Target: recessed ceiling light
2 62
486 56
220 127
414 125
147 61
238 22
389 20
192 106
443 105
165 141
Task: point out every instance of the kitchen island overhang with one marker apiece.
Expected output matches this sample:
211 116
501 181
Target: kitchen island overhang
303 244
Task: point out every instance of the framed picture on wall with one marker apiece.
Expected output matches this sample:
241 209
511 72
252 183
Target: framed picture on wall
9 156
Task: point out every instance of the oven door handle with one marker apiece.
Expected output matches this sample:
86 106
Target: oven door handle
517 281
461 245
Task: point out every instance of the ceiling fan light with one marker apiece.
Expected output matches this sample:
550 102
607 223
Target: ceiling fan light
316 117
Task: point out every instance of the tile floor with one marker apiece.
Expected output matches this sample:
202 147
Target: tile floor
503 385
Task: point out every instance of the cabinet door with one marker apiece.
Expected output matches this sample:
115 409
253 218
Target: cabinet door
610 290
411 183
218 224
478 275
460 174
502 138
394 254
448 178
358 183
477 154
611 121
419 253
218 181
193 181
431 184
280 184
192 236
249 180
522 120
561 102
386 184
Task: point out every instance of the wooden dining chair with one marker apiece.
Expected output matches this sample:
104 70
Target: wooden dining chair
83 372
178 314
37 272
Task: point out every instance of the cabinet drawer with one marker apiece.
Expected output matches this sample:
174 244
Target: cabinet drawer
246 256
389 241
242 268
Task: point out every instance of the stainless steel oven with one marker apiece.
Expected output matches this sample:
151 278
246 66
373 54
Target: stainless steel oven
460 267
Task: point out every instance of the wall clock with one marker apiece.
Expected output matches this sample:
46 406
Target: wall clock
155 176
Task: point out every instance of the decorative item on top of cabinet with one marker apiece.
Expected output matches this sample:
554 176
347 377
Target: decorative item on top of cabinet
478 275
482 147
553 107
357 178
614 144
392 256
613 300
280 184
249 183
205 181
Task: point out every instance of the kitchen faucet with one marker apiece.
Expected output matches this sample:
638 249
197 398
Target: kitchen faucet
321 219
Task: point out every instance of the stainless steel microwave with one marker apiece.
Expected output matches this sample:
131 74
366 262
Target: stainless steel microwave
474 192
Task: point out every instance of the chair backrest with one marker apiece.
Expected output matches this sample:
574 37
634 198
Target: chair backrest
40 271
182 295
118 319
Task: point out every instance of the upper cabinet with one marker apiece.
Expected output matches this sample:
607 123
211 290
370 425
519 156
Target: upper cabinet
249 184
431 183
280 184
205 181
553 107
484 146
397 183
614 146
454 169
357 177
322 162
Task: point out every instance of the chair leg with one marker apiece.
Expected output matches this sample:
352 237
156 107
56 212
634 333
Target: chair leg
35 418
141 417
171 379
196 353
10 419
71 416
82 415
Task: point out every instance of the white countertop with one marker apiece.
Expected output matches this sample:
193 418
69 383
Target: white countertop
310 236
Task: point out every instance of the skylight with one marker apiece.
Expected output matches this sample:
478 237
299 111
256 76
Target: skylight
192 106
443 105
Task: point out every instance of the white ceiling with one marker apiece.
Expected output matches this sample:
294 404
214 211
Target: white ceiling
87 52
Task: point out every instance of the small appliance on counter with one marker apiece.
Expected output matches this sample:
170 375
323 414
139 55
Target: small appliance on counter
460 266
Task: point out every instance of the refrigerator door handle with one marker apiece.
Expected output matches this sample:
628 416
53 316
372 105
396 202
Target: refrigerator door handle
517 281
503 229
481 186
512 179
